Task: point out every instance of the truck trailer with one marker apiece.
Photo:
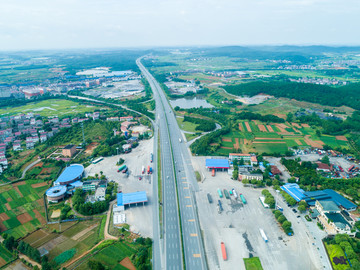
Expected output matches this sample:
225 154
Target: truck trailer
226 193
220 193
242 198
223 251
263 235
148 170
122 168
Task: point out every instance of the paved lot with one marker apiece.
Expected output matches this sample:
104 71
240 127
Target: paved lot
139 217
238 227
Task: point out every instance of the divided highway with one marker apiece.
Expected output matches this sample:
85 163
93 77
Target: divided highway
182 235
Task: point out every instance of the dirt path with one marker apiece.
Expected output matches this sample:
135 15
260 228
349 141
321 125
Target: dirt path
106 230
29 166
22 256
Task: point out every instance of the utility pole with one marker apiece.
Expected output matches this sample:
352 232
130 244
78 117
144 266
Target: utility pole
82 128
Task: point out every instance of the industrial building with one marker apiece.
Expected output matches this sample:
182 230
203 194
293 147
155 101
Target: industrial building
71 174
310 197
127 199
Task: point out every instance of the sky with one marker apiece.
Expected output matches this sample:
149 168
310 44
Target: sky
67 24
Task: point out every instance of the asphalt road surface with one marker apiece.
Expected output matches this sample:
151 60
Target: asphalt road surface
182 235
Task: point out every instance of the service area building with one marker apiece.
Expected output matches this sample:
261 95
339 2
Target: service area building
217 164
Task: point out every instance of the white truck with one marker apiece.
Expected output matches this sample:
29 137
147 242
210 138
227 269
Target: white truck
179 140
263 235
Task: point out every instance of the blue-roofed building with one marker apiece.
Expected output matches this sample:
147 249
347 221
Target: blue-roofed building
56 193
71 174
217 164
310 197
126 199
294 191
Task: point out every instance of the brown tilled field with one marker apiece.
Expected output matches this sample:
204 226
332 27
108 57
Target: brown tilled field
315 144
23 218
39 216
18 191
262 128
127 264
296 125
214 144
226 139
236 145
298 141
3 217
248 126
246 141
341 138
7 205
224 147
305 125
42 184
270 128
19 184
241 127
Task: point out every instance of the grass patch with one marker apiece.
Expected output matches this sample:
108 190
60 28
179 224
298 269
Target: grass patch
198 176
187 126
252 263
336 251
51 107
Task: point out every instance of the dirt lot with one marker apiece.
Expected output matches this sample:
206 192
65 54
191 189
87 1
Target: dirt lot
138 217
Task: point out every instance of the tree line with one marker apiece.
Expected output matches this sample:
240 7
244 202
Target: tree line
348 95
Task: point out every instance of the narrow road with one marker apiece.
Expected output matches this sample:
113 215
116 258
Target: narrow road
22 256
106 230
29 166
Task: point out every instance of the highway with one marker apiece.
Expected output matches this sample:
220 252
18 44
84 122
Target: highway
182 235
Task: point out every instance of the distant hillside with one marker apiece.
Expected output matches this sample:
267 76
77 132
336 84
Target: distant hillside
348 95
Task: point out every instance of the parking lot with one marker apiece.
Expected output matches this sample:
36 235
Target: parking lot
138 217
238 227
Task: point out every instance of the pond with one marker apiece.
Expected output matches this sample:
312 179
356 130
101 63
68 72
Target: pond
188 103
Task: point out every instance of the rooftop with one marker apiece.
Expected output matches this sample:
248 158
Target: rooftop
69 146
70 173
217 163
130 198
338 219
329 206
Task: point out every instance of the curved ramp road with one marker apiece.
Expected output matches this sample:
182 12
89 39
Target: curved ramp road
182 235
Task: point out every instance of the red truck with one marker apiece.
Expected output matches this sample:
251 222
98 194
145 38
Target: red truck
223 251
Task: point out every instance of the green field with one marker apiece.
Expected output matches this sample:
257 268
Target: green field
5 256
22 203
111 256
336 251
186 126
252 263
50 107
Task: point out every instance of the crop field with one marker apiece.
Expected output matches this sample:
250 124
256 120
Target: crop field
5 255
78 237
74 239
111 256
21 207
255 136
51 107
337 257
